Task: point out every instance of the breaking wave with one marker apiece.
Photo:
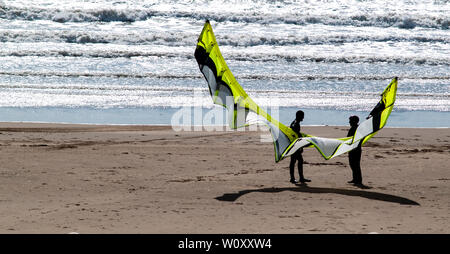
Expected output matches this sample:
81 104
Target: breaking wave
183 39
238 56
263 76
390 19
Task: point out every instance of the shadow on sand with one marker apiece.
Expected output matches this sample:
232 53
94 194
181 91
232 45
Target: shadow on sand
305 188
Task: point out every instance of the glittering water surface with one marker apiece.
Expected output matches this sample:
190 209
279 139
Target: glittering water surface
65 61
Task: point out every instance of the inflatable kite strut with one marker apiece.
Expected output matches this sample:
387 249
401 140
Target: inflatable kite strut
243 111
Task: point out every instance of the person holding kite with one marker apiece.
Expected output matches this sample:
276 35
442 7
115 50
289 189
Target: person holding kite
354 156
297 156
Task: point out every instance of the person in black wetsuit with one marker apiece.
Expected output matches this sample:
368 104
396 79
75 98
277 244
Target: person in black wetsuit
354 156
297 156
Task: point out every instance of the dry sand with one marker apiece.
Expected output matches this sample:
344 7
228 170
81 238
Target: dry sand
151 179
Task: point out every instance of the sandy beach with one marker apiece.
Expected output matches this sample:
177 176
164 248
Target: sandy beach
57 178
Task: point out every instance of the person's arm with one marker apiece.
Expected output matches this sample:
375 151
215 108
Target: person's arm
351 132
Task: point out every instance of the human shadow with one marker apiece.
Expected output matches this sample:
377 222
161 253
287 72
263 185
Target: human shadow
306 189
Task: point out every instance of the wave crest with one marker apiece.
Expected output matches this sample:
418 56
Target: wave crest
405 21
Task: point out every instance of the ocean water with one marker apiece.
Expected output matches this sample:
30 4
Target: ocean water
132 62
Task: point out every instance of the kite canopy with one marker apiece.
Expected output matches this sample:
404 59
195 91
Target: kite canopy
226 91
242 110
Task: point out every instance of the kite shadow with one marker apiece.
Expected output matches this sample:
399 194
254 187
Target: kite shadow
231 197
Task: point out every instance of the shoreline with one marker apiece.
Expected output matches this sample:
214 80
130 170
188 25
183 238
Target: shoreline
203 116
58 178
67 124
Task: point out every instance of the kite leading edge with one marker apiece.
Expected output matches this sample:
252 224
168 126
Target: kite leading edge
243 111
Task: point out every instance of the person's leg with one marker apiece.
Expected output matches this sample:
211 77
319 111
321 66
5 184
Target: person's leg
300 169
352 167
291 168
357 168
354 161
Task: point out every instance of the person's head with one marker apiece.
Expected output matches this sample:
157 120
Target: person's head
299 116
353 120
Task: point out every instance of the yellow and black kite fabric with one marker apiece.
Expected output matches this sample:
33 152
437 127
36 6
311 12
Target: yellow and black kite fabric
227 92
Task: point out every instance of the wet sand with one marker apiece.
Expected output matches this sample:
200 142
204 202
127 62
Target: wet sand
57 178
